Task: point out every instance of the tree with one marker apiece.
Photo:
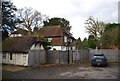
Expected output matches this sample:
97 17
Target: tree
85 43
94 27
110 38
79 43
9 19
62 22
91 42
30 18
4 35
110 26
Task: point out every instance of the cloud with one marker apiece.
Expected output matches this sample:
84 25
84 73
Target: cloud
76 11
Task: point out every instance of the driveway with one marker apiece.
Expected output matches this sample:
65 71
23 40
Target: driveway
73 71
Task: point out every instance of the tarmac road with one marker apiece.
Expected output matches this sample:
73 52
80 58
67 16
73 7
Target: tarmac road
75 71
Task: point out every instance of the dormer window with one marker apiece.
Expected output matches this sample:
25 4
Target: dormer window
15 35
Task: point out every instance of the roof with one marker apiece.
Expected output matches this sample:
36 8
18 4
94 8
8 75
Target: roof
55 32
20 31
50 31
98 54
18 44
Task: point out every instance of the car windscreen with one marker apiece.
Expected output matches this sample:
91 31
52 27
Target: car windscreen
101 57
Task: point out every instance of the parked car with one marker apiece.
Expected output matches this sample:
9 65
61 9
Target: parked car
99 59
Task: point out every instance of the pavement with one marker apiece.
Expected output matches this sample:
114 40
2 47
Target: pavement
68 71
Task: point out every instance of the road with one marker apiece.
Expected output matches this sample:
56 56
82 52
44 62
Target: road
74 71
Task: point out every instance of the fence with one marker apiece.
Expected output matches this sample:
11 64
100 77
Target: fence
36 57
112 55
80 55
57 56
62 56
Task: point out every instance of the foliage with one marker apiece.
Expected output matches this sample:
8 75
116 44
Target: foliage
78 43
46 45
85 43
8 15
9 20
62 22
91 42
30 18
110 26
4 35
110 36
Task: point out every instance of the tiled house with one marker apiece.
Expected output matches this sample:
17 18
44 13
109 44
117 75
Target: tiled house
58 37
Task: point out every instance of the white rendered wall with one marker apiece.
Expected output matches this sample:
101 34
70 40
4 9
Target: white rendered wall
17 59
62 48
56 47
37 47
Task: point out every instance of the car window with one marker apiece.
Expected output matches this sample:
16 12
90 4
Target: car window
98 56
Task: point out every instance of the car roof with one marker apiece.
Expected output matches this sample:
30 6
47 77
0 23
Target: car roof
98 54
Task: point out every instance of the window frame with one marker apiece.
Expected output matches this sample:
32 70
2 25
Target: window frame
65 38
49 39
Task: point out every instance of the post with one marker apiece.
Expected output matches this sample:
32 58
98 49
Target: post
68 51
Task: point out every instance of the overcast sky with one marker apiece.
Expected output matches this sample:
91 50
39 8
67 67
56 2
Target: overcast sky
75 11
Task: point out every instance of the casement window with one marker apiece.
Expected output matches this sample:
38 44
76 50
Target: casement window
65 39
10 56
49 39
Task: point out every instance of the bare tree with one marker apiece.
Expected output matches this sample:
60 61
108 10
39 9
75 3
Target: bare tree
94 27
30 18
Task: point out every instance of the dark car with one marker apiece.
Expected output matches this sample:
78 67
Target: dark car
99 59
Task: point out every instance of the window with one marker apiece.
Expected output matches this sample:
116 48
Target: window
4 56
10 56
71 48
65 39
71 40
49 39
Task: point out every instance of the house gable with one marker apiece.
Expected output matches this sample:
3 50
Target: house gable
57 36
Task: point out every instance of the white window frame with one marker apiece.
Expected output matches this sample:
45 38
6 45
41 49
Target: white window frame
49 39
65 38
